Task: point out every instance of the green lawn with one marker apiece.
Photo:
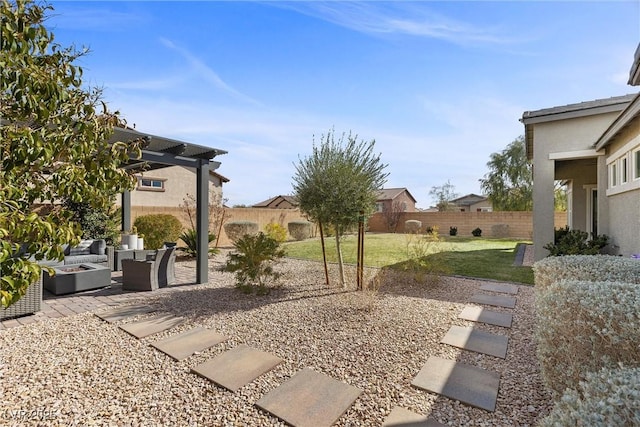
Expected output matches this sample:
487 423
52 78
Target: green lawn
465 256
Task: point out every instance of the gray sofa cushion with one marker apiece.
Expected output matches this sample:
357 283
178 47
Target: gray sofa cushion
83 248
79 259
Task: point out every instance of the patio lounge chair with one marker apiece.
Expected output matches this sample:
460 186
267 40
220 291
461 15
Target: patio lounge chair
157 271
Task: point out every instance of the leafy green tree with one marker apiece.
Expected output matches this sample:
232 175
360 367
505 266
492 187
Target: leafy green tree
96 223
337 181
53 146
443 195
509 183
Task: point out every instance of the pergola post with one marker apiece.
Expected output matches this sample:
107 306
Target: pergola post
125 215
202 222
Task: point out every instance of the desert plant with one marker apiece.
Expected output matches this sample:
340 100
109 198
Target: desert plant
276 232
412 226
476 232
253 261
157 229
592 268
453 231
575 242
236 229
619 387
299 230
190 239
583 327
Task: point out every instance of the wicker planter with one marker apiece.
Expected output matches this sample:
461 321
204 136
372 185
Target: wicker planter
30 303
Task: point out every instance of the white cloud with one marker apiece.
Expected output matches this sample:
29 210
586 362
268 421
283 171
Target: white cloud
404 18
207 73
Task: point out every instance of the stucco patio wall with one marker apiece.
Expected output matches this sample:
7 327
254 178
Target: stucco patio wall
520 223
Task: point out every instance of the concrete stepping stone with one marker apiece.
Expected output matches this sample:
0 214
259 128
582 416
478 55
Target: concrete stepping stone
479 314
469 384
151 326
309 399
237 367
187 343
478 341
120 313
495 300
504 288
401 417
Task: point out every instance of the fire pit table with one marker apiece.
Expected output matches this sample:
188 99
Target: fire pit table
77 278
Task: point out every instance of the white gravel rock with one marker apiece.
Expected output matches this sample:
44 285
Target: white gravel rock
80 370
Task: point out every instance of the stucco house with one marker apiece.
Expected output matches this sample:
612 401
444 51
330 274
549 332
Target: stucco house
595 147
472 203
167 187
400 199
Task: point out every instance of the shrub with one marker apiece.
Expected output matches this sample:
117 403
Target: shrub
158 228
299 230
594 268
609 397
584 326
236 229
412 226
476 232
453 231
189 237
253 262
575 242
276 232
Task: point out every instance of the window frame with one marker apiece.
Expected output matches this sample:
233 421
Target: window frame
142 187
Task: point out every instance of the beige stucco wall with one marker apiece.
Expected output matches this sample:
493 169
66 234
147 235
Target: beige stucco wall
401 198
179 181
622 224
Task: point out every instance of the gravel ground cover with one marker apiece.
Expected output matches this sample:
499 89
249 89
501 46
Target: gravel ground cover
80 370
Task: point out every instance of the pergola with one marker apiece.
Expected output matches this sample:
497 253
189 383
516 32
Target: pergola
160 152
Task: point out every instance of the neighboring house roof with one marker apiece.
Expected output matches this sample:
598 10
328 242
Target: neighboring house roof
468 200
392 193
569 111
629 114
634 73
276 201
220 177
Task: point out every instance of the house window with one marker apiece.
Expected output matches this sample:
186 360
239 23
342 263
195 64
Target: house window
150 184
636 164
379 207
613 174
624 176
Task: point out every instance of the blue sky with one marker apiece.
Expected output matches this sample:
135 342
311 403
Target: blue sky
438 85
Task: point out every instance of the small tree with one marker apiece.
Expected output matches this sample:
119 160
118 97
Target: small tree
338 181
509 183
443 195
392 216
218 214
53 146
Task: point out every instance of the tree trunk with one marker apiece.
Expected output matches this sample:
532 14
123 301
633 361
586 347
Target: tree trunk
340 264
